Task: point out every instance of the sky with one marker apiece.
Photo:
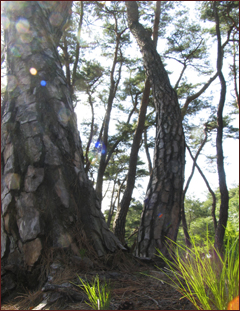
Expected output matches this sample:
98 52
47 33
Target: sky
197 187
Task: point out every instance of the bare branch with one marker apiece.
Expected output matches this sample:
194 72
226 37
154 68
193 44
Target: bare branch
196 95
209 189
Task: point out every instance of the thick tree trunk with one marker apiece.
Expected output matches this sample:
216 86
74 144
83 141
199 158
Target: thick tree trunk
223 213
162 206
46 196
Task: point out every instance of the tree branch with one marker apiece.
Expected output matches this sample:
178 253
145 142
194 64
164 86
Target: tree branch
196 95
77 47
209 189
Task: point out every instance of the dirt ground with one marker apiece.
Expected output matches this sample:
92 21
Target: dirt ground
133 286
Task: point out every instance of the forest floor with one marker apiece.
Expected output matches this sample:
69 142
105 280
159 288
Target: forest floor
134 285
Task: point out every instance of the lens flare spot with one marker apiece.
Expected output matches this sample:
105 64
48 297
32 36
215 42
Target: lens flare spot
100 147
26 37
12 181
12 83
64 240
97 144
234 304
14 6
43 83
22 25
15 51
93 156
64 116
33 71
47 4
5 22
55 19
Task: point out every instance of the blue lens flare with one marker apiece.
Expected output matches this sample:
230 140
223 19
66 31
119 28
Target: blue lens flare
97 144
43 83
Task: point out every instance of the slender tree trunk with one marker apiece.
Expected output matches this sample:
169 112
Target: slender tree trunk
75 66
209 189
147 152
234 69
184 222
88 162
46 196
223 214
67 61
104 140
120 218
112 203
162 206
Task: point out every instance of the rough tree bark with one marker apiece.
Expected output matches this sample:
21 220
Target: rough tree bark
223 213
46 195
162 206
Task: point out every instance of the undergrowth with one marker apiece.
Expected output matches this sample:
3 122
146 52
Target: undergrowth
210 281
98 294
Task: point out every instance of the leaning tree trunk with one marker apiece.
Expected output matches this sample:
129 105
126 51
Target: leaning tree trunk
46 196
162 206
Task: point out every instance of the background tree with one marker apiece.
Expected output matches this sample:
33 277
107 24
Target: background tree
161 214
199 218
132 223
120 218
223 15
115 33
183 51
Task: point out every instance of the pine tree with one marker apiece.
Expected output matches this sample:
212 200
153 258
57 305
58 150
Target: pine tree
47 200
162 205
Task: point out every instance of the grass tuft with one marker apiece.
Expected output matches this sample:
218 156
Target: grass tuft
98 295
210 281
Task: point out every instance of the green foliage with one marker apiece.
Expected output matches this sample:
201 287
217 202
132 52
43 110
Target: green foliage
228 130
198 217
90 73
82 252
98 295
147 11
227 10
232 229
185 44
207 279
133 221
